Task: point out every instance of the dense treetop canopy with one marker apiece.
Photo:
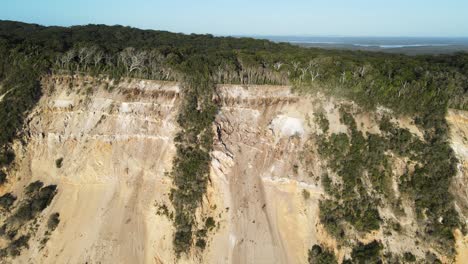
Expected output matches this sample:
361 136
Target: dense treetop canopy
404 83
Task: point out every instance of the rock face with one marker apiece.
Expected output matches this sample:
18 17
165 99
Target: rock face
116 149
458 121
260 138
116 145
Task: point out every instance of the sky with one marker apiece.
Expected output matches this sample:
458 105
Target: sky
413 18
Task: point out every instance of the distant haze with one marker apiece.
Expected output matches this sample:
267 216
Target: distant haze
443 18
407 45
382 42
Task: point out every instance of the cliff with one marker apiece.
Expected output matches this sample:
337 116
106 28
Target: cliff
109 148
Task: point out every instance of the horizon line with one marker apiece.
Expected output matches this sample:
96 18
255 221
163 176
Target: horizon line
243 34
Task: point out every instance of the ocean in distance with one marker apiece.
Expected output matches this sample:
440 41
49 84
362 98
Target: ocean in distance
408 45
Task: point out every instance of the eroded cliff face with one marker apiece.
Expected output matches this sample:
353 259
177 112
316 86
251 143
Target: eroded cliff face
458 121
116 149
116 143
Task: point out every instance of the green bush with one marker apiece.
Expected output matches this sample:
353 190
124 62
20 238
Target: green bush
318 255
409 257
6 155
54 220
367 253
201 243
431 258
210 223
7 200
59 163
33 187
38 198
327 183
331 216
15 247
3 177
323 122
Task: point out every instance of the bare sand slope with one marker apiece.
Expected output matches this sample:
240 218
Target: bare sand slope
261 131
458 121
116 148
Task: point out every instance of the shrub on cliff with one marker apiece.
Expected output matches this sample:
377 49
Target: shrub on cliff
318 255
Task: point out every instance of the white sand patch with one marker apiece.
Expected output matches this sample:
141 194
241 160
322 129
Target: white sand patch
460 150
288 181
238 91
287 126
232 240
124 108
101 104
63 103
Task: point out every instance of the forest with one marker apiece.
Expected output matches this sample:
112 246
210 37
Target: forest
423 87
408 84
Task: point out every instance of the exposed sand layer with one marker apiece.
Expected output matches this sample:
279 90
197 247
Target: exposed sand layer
458 121
117 148
260 136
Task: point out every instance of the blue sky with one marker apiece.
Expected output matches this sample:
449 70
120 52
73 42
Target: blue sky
255 17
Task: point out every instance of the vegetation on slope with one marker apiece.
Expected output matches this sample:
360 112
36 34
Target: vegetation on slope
355 157
367 253
349 157
191 165
420 86
20 224
318 255
19 88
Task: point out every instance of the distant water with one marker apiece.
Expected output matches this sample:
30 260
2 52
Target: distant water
378 42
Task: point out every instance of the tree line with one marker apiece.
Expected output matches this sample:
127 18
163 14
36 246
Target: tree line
408 84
